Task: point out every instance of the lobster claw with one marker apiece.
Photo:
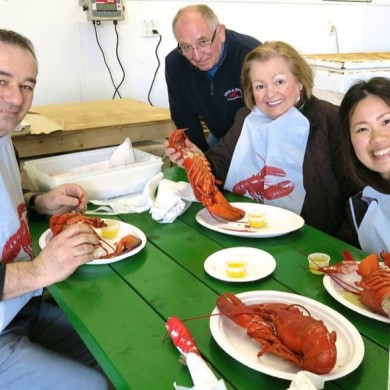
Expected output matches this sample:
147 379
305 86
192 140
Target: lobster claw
235 309
181 336
125 244
201 373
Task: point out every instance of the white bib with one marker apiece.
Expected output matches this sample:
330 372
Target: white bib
15 240
267 161
374 230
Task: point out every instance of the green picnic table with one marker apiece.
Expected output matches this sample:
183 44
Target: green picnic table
120 309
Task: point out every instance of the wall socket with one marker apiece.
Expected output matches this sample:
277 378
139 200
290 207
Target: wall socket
332 28
148 26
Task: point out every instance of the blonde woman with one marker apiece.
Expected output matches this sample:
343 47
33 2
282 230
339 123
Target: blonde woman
281 149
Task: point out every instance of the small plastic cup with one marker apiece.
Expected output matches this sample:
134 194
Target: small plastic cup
111 230
257 218
236 266
317 260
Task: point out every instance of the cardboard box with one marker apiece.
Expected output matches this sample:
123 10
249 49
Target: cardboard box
47 173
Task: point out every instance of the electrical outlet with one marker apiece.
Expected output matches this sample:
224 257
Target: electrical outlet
332 28
148 26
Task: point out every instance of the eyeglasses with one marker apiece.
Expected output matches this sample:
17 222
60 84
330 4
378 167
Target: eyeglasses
204 44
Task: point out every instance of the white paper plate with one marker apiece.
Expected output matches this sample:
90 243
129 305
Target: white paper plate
279 222
260 264
349 300
124 230
235 342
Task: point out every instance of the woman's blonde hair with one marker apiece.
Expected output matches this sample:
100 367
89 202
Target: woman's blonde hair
296 63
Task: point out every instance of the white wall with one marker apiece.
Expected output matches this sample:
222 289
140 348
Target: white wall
72 67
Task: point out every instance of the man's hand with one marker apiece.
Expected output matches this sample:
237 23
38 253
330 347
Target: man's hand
57 261
65 252
60 200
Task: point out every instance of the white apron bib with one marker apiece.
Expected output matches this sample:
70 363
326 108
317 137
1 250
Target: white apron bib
267 161
15 239
374 230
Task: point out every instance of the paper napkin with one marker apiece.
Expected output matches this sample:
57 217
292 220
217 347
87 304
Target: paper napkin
201 374
122 155
173 198
305 380
134 203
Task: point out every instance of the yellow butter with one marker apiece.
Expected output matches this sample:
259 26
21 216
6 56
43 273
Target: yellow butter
111 230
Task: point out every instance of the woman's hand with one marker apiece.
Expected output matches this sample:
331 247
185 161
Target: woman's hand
176 157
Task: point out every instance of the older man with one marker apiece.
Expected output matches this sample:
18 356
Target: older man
203 74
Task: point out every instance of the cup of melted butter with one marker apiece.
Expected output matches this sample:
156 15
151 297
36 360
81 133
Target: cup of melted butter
111 230
257 218
316 261
236 266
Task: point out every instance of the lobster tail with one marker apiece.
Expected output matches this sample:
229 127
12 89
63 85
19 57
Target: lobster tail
319 348
376 291
224 209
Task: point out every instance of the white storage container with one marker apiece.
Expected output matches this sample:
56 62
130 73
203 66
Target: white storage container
46 173
335 73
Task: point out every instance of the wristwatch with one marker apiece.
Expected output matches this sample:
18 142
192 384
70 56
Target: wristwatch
31 210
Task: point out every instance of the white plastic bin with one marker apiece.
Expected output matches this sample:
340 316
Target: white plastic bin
46 173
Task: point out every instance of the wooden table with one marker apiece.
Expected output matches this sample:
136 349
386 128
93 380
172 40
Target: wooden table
120 309
95 124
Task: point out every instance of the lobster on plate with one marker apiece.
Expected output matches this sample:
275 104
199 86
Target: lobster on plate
202 180
58 223
373 288
285 331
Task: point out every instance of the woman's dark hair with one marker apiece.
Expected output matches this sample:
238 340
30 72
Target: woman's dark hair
360 175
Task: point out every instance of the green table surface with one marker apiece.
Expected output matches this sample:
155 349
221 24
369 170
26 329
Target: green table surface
120 309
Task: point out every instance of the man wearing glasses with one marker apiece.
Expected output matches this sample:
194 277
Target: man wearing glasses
203 74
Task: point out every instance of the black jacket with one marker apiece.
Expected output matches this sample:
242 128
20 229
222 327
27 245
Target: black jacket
194 94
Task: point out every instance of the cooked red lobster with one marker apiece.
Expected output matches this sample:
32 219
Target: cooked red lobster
58 223
202 179
285 331
374 287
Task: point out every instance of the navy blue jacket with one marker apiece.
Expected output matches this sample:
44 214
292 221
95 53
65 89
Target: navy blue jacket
195 96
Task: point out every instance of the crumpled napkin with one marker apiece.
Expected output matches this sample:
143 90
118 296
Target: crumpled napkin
305 380
134 203
173 198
